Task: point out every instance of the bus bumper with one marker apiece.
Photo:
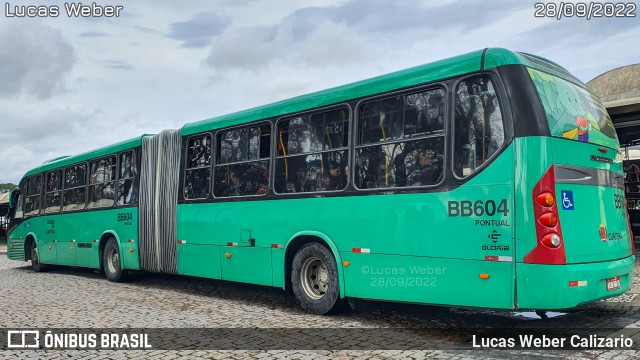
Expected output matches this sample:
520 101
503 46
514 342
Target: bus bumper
547 287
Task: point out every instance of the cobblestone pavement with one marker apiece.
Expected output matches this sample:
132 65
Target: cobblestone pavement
82 298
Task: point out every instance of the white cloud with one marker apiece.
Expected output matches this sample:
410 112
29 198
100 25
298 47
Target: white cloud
34 60
15 159
199 31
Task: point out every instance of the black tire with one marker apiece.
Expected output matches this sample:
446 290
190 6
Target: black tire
111 262
314 279
35 260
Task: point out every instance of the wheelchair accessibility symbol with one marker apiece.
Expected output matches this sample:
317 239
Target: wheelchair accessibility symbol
567 200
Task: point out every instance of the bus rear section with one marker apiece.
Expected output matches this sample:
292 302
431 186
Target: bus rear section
574 243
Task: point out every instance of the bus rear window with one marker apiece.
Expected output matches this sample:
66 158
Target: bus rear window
573 112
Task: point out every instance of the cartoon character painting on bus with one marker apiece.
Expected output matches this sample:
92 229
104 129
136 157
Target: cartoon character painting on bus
572 111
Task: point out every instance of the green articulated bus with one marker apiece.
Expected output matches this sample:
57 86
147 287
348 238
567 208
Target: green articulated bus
492 179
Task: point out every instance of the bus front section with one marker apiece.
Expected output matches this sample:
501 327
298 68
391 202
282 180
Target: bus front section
574 243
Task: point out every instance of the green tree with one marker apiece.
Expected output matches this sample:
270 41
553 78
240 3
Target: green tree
7 187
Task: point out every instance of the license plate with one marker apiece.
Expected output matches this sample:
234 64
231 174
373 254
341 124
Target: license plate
613 283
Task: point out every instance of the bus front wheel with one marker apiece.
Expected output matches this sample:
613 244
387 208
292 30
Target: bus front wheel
111 262
314 278
35 261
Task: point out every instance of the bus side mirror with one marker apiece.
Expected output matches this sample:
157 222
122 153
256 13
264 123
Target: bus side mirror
14 195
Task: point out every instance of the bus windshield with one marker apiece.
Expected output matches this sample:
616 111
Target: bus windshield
573 112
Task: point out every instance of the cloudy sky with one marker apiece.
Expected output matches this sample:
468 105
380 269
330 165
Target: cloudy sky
69 84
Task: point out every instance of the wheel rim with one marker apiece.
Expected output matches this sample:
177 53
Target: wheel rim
34 255
113 261
314 277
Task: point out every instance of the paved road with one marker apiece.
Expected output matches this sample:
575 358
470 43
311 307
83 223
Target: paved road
81 298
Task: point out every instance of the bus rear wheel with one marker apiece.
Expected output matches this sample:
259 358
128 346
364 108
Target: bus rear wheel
35 261
111 262
314 278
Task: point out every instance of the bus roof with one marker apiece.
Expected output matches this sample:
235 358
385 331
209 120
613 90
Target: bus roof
442 69
69 160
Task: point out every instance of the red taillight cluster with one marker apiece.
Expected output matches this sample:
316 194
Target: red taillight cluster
549 248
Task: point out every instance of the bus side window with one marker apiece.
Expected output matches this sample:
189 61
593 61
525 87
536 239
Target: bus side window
127 192
198 169
53 190
73 196
102 176
479 131
242 166
401 141
312 152
32 196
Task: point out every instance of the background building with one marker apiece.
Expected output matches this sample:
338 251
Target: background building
4 207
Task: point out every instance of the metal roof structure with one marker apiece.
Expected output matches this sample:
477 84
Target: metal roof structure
619 90
4 199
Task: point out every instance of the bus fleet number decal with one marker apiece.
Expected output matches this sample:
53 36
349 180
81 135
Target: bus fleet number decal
52 226
618 201
478 208
126 217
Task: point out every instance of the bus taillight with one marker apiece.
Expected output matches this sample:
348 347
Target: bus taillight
549 219
549 247
545 199
551 240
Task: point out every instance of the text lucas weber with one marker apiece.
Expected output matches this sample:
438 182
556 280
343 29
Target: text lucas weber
71 9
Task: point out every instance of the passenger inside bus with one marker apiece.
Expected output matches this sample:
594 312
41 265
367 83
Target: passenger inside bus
337 179
233 184
427 170
242 179
317 173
